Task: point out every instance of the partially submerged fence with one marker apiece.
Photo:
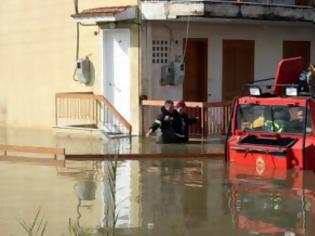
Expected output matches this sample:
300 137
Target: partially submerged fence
213 116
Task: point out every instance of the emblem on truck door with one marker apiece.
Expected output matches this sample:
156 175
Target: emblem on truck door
260 165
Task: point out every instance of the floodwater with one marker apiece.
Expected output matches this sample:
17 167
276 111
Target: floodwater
155 197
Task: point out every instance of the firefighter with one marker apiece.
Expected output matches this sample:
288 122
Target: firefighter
297 124
260 118
181 125
311 80
165 124
277 124
280 121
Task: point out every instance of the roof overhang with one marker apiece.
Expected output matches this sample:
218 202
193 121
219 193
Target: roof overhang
173 10
106 14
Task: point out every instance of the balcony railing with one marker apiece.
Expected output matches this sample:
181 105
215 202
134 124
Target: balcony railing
282 2
265 2
213 120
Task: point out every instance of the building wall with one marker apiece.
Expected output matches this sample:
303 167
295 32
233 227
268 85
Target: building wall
268 50
37 47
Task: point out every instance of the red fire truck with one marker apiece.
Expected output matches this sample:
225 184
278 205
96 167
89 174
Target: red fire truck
274 128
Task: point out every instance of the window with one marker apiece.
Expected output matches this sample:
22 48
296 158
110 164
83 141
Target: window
279 119
159 51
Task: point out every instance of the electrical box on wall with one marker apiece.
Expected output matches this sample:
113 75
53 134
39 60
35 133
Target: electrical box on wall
167 74
83 70
179 73
172 74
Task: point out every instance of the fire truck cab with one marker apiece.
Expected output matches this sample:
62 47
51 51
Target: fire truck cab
274 129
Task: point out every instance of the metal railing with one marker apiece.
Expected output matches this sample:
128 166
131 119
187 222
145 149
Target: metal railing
265 2
218 114
213 116
87 110
282 2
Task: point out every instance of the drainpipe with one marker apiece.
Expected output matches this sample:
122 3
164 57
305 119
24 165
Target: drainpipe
76 10
139 21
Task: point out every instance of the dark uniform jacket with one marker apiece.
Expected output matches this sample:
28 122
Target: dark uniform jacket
181 127
166 123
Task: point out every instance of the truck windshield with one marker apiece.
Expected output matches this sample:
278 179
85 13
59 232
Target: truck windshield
265 118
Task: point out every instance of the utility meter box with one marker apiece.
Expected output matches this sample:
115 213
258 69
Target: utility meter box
83 70
167 74
179 73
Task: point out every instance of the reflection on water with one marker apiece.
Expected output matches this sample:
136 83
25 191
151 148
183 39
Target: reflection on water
158 197
275 201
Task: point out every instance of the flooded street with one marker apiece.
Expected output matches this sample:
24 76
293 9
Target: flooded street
155 197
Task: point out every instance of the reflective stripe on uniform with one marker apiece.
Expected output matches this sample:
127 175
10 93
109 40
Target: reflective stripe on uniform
279 130
158 122
276 127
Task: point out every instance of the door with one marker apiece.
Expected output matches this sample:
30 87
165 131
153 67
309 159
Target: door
195 86
296 49
238 66
116 71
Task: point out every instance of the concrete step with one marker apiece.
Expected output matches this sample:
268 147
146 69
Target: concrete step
75 130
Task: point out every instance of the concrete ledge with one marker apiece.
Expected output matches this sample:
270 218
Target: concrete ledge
34 161
163 10
76 132
259 11
58 153
144 156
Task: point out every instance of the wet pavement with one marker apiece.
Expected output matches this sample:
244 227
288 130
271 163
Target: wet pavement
156 197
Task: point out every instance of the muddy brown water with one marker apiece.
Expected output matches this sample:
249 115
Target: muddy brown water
157 197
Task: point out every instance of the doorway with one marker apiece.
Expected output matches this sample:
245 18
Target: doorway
195 86
238 66
116 69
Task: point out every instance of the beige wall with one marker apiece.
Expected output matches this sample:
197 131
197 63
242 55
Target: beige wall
37 47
